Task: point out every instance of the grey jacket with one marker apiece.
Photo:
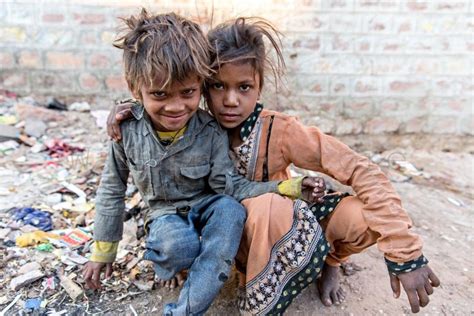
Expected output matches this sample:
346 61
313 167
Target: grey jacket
170 179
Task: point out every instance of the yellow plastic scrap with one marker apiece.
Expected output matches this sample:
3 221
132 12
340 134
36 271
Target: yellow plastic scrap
34 238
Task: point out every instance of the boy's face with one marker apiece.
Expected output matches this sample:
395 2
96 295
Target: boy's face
172 107
233 92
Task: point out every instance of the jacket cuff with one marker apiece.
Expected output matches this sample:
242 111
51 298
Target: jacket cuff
104 251
397 268
291 188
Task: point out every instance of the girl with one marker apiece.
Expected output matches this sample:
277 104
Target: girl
264 144
282 249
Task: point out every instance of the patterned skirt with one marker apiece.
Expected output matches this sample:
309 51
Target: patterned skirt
282 251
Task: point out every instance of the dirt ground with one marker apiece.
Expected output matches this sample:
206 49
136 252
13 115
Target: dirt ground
438 197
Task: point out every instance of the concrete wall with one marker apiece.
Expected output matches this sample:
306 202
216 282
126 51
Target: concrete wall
354 66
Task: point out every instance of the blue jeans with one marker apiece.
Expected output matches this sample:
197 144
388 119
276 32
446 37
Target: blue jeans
205 242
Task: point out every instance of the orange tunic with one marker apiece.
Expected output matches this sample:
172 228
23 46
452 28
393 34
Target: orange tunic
306 147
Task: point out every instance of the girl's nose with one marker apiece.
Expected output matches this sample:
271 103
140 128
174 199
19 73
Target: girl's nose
231 99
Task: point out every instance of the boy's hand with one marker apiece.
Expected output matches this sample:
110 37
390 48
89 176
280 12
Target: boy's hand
91 273
418 284
119 112
313 189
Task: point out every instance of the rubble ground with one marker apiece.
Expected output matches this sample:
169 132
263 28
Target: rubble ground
51 158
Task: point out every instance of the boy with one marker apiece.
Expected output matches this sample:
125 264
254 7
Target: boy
175 154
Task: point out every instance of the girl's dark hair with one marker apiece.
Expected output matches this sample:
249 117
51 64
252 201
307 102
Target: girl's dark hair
243 40
167 45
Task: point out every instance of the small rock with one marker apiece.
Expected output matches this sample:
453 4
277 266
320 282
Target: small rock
54 198
37 148
35 128
25 279
4 232
8 132
80 107
29 267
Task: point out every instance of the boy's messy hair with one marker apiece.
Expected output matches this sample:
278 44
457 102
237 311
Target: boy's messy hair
166 45
242 40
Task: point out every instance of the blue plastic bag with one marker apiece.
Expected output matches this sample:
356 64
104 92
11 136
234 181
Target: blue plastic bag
34 217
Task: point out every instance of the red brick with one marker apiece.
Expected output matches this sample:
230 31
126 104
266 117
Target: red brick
53 18
403 86
99 61
368 3
357 108
339 4
417 5
64 60
341 44
330 107
365 86
382 125
88 38
54 82
348 126
441 125
89 82
29 59
6 60
451 5
363 46
415 125
312 43
89 18
116 83
405 27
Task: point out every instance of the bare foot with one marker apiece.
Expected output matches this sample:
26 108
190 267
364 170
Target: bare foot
330 291
174 282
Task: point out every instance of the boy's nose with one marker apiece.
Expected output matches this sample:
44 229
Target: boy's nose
175 106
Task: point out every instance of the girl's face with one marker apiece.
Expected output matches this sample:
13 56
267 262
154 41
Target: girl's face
233 92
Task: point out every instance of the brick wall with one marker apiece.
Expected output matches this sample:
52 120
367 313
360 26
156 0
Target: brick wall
354 66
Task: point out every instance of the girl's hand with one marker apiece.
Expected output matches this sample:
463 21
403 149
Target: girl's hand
313 189
418 284
120 112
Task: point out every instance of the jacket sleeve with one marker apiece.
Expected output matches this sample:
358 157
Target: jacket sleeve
309 148
110 203
224 177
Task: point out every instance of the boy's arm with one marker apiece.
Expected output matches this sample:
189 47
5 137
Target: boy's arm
225 179
110 204
108 225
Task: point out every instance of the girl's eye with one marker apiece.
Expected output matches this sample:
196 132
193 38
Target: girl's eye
159 94
188 92
218 86
245 87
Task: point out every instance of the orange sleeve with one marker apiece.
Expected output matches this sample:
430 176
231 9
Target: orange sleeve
309 148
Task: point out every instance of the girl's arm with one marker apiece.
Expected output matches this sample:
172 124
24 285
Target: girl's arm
309 148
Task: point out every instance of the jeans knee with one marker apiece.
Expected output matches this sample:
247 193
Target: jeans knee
229 208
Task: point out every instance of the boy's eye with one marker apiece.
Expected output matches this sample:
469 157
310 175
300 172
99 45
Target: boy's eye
188 92
245 87
159 94
218 86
